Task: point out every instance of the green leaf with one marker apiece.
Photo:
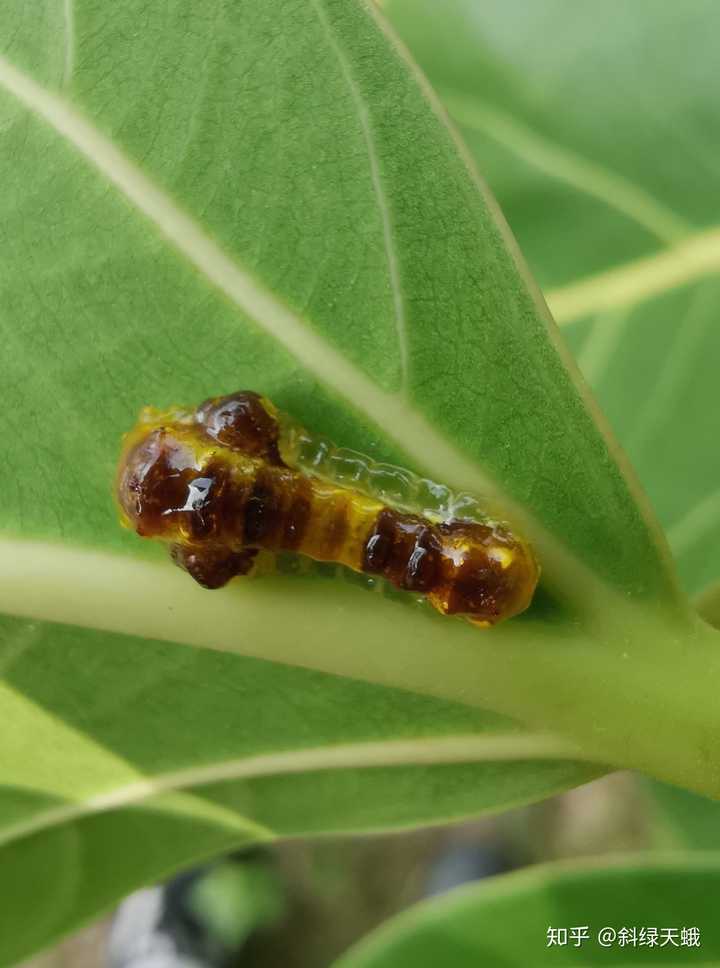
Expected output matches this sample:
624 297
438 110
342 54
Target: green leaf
153 755
708 604
200 198
505 920
600 144
683 819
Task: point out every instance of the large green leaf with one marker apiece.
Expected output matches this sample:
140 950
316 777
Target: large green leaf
198 198
505 920
600 143
153 755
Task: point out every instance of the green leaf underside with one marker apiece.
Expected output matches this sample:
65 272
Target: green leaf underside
622 231
192 211
111 800
293 204
684 819
504 921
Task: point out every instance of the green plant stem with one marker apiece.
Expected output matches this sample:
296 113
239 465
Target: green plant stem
637 691
646 700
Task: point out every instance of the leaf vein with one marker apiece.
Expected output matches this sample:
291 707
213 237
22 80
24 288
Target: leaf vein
624 286
69 51
558 161
695 524
423 751
378 190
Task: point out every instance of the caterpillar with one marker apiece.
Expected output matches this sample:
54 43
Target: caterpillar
217 486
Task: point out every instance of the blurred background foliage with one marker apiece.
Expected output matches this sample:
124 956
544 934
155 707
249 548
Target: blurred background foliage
597 129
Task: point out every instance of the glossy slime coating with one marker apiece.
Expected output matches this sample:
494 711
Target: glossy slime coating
212 484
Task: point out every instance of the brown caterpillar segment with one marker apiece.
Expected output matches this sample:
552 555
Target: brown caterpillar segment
213 485
244 422
213 569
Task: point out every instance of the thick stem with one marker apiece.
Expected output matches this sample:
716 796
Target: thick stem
646 699
638 691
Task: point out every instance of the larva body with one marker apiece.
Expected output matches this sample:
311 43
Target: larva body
213 485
